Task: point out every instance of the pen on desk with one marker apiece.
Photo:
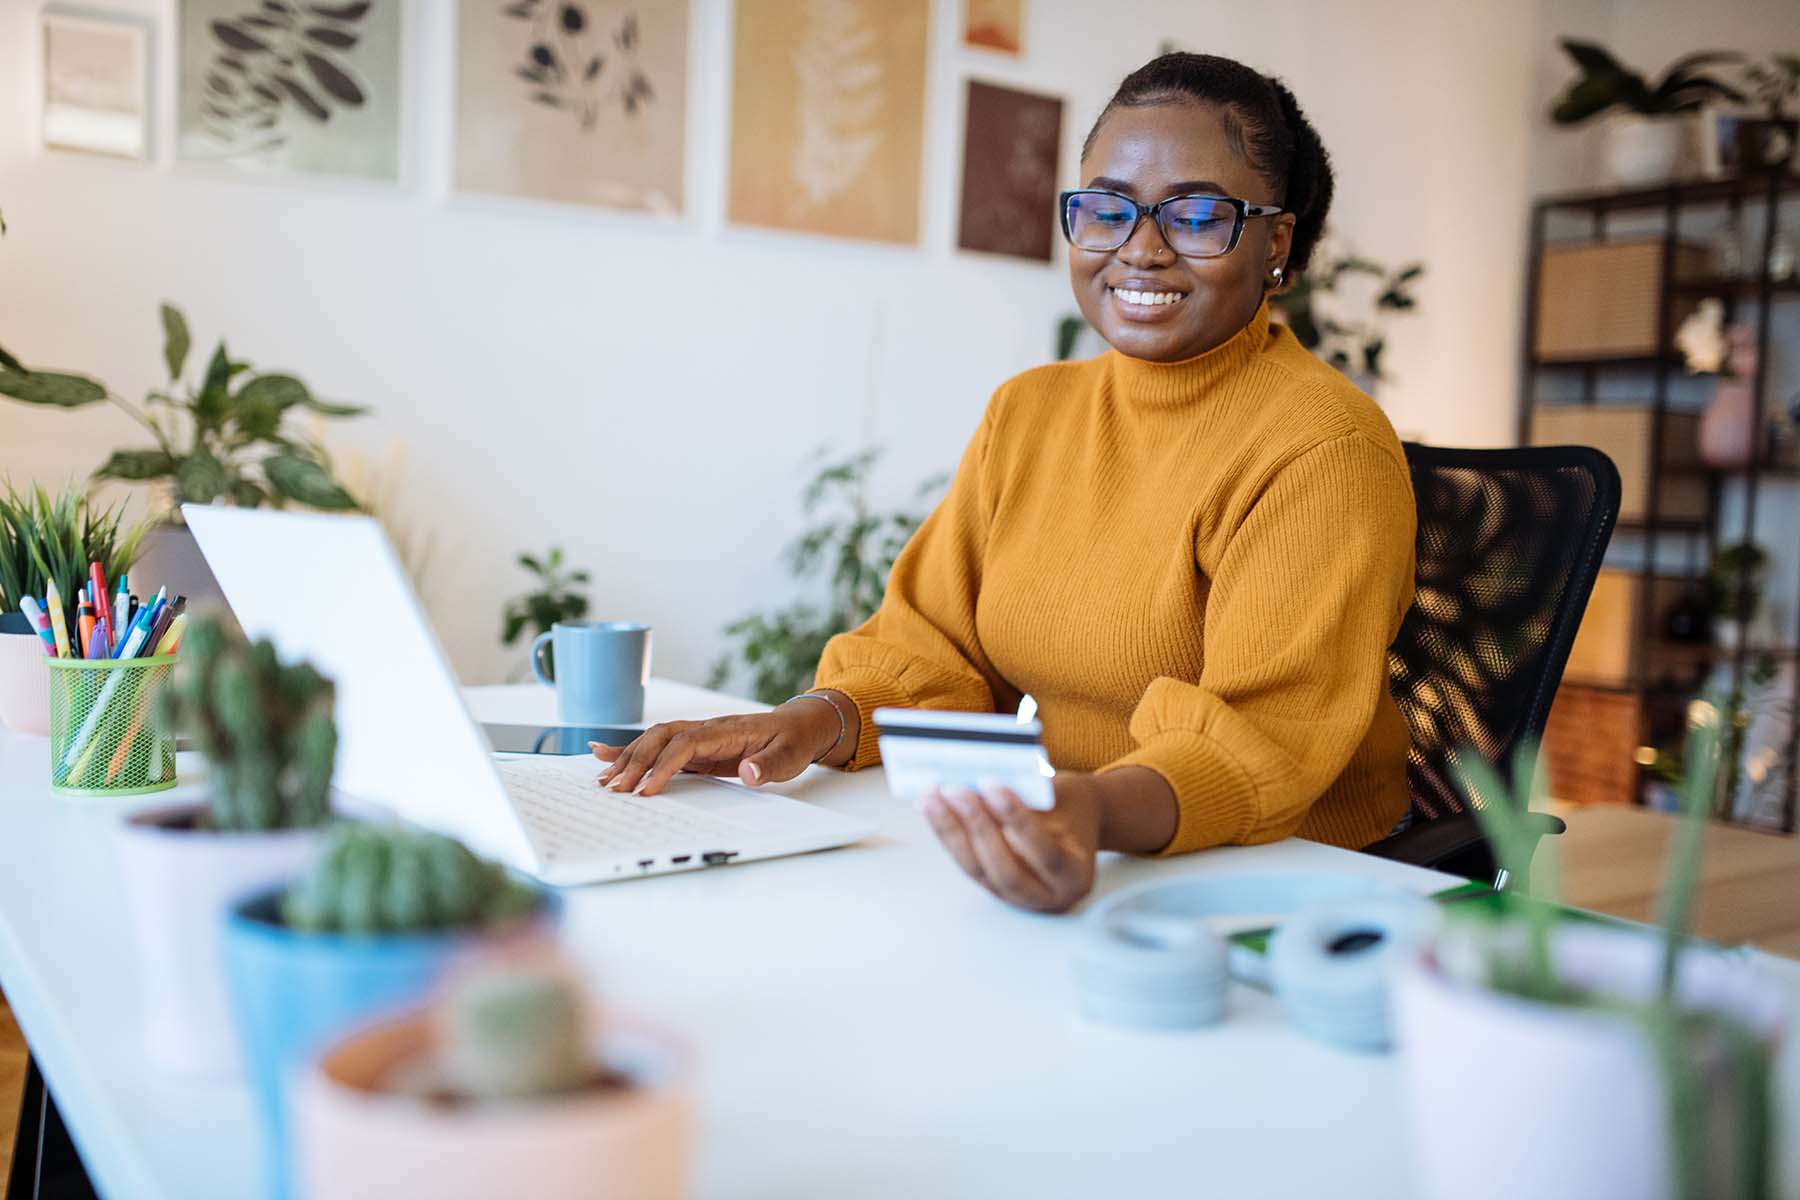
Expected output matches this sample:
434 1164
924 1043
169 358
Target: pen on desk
59 620
102 607
40 623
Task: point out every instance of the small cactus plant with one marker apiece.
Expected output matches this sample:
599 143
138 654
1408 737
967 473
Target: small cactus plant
388 879
512 1031
265 727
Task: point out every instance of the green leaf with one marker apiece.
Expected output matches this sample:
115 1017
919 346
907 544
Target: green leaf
1591 57
201 478
305 481
175 339
276 391
332 410
51 387
137 465
214 399
1588 97
10 363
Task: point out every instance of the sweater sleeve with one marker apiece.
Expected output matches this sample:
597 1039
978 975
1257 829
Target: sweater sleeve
920 649
1305 599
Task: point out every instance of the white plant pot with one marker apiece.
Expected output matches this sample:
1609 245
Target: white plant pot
356 1141
24 684
1515 1098
180 882
1644 151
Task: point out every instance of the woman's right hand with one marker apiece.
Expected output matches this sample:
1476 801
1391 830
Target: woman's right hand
756 747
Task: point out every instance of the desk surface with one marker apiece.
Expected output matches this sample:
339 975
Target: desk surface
869 1023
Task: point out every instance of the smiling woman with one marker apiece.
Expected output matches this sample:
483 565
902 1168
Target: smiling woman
1193 550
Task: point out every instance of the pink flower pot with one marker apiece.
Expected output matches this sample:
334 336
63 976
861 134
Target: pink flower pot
355 1141
24 684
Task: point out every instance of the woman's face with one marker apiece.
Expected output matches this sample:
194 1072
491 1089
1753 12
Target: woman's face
1150 154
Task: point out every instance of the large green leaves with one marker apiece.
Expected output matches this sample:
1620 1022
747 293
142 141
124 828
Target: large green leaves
306 481
175 340
51 388
137 465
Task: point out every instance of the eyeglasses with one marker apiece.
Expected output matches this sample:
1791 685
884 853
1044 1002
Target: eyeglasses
1195 225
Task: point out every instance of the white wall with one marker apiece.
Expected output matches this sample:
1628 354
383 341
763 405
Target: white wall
645 393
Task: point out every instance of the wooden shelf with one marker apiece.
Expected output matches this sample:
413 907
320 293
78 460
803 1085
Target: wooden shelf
1663 525
1640 362
1747 289
1763 470
1681 195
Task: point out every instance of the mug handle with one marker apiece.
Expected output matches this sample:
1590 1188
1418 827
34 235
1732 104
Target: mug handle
548 679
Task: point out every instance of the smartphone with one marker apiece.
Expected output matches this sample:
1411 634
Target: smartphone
555 739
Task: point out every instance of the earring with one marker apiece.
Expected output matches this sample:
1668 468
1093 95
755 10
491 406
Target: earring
1275 274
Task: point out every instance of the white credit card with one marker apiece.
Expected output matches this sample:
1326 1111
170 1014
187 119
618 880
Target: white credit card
923 749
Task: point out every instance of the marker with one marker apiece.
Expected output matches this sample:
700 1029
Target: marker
102 607
84 622
171 639
34 613
98 646
59 621
119 615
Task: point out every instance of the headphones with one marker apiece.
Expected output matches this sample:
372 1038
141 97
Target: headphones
1147 959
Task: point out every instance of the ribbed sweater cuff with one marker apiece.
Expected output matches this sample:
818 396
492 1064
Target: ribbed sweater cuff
1214 797
870 689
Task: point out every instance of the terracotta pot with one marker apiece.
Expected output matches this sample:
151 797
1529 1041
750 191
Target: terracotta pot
24 684
181 882
1578 1091
356 1141
1728 426
1642 151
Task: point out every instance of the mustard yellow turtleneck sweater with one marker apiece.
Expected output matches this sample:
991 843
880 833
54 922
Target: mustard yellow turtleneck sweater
1196 567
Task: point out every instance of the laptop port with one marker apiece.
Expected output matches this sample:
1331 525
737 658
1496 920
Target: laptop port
680 858
645 864
713 858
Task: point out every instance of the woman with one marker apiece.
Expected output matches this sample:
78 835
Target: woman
1193 550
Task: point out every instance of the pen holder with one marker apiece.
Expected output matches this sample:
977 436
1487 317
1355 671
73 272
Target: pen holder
104 740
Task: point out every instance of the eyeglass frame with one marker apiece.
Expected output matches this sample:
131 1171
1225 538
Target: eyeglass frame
1242 209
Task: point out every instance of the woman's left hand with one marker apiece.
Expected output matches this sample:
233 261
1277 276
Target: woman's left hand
1036 860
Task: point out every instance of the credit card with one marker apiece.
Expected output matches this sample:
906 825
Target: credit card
923 749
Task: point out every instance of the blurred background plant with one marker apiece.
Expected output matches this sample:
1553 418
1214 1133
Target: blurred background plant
44 537
1605 83
777 653
1774 83
554 599
391 879
376 487
223 441
1355 285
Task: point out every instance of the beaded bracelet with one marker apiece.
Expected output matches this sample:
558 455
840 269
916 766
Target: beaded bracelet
843 728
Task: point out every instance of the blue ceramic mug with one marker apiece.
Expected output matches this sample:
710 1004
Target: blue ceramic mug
598 668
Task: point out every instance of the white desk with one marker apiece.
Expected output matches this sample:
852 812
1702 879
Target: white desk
869 1022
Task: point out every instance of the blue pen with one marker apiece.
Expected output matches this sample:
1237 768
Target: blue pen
140 629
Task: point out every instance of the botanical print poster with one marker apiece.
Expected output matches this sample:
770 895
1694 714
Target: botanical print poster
1011 146
279 85
828 110
994 25
96 75
578 101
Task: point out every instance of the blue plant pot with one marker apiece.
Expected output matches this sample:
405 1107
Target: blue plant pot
294 991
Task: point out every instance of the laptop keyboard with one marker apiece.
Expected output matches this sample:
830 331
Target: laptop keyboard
570 817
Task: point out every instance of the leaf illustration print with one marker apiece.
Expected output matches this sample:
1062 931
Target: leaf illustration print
839 98
280 59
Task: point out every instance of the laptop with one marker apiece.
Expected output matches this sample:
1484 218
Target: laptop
330 589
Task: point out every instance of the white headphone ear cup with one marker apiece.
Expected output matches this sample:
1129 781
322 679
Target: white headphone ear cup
1149 970
1331 966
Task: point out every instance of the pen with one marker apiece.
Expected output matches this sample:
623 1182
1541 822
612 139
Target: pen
39 622
97 643
120 614
171 641
84 623
59 620
158 628
102 609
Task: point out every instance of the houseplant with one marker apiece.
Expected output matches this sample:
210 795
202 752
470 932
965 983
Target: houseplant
268 734
1630 1062
506 1086
380 913
230 439
554 598
1352 344
1768 144
780 650
1649 130
44 537
1734 580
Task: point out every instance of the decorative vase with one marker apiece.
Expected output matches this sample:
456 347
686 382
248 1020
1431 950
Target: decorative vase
24 682
1582 1087
357 1140
181 880
293 991
1644 151
1728 426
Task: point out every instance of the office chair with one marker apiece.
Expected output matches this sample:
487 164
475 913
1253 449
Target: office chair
1509 543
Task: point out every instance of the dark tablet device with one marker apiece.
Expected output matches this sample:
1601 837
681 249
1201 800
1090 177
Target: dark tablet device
555 739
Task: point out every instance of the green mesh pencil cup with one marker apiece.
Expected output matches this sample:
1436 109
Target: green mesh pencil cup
104 739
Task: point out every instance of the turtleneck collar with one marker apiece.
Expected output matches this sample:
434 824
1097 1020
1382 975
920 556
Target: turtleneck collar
1170 384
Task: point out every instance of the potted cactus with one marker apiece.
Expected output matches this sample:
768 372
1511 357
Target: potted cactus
505 1087
267 732
381 912
1629 1062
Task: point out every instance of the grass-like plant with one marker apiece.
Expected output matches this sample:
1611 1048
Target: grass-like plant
223 440
1691 1045
45 537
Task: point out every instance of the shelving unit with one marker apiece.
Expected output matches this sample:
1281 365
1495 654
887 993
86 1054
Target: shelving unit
1664 675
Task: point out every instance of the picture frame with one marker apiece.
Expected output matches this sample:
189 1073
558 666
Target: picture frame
94 83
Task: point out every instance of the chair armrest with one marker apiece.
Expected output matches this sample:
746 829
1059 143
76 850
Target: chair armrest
1454 843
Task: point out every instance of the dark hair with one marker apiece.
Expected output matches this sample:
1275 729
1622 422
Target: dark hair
1263 123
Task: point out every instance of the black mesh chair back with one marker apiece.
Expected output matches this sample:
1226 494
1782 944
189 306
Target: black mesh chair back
1509 543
